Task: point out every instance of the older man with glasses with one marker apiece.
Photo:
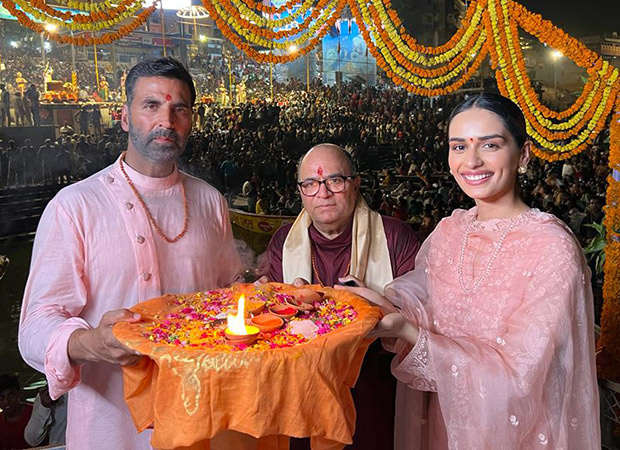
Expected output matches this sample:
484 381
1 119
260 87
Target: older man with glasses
337 239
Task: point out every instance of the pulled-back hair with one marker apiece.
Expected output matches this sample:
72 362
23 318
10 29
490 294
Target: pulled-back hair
505 109
164 67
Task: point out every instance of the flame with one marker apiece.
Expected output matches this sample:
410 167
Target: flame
236 323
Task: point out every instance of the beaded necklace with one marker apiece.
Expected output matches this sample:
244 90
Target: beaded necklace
487 270
316 272
148 212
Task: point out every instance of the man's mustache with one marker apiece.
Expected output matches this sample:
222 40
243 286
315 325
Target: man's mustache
165 133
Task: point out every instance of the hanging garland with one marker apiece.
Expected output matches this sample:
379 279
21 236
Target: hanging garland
99 16
266 37
408 67
240 35
559 140
46 13
94 21
608 343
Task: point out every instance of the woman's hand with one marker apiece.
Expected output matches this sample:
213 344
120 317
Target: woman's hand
373 297
395 325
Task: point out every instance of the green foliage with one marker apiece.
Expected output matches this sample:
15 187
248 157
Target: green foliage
595 250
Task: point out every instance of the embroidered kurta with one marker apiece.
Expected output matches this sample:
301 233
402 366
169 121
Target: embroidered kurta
95 251
510 365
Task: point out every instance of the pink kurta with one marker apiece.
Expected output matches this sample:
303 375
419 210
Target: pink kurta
95 251
511 365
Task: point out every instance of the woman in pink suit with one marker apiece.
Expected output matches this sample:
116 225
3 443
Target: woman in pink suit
493 330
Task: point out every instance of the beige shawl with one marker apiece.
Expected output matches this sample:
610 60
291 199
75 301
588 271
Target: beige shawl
370 258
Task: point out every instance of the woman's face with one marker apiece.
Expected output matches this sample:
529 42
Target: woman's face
483 156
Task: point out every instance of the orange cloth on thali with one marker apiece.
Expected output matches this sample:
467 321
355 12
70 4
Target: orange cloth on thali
188 395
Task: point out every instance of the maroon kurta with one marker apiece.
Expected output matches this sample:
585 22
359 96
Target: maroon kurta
375 392
333 256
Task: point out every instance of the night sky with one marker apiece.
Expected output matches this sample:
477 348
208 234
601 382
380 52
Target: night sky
579 17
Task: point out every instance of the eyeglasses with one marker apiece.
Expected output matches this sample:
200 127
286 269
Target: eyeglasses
334 184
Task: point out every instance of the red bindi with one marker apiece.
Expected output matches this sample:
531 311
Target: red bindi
471 139
319 171
168 97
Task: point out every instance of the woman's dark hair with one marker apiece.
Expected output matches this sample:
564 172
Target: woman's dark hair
505 109
163 67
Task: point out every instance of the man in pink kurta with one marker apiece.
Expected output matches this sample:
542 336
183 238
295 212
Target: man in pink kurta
96 251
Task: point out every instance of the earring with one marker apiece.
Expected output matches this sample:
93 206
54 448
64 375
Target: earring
451 172
522 170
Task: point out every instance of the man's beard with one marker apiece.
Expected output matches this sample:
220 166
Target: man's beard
157 152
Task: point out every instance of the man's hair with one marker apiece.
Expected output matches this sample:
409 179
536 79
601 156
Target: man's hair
8 382
164 67
346 156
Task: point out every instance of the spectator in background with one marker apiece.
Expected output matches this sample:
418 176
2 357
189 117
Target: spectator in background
17 105
82 118
66 129
33 96
5 105
14 416
48 421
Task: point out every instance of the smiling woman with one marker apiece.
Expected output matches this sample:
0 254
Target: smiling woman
495 323
488 145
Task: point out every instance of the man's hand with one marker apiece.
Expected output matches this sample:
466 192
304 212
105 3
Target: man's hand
99 344
298 282
351 280
44 396
262 280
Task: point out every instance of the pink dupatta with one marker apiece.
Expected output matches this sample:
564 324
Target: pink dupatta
510 365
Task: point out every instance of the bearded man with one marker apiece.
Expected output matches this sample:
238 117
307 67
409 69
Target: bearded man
133 231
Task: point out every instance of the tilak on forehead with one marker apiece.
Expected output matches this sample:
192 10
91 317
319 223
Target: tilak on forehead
319 171
168 97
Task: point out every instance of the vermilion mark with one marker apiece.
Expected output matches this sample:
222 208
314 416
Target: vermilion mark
319 171
471 139
168 97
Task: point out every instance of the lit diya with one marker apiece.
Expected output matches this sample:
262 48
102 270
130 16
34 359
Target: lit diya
237 331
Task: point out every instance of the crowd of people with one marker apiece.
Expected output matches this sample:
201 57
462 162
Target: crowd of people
399 144
397 140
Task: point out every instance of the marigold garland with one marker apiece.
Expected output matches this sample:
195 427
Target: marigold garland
109 15
268 22
95 21
106 38
243 40
267 37
608 343
578 131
